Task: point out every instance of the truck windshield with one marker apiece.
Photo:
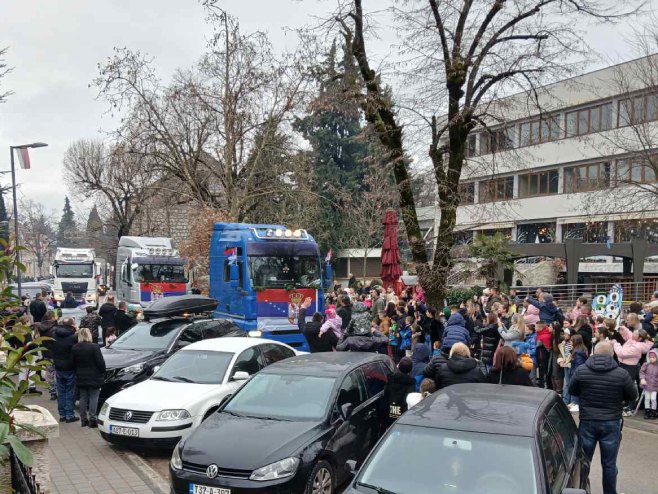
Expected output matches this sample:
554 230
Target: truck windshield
74 270
152 273
277 272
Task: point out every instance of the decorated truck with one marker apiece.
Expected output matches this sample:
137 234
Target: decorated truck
261 274
148 269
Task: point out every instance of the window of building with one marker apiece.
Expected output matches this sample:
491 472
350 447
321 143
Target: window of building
583 178
627 230
466 193
588 120
497 140
463 237
594 232
637 170
535 233
538 131
471 144
538 184
499 189
638 109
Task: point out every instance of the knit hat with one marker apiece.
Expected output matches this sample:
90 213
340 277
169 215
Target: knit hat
446 312
405 365
330 312
654 351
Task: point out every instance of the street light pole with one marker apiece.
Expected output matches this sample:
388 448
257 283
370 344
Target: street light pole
13 186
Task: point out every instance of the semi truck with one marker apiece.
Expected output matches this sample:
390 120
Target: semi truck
148 269
75 272
261 274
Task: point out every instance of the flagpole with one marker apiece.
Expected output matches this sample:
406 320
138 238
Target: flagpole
17 251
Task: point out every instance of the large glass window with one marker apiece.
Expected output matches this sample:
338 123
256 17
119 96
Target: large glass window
637 170
583 178
496 140
74 270
195 366
156 273
284 396
278 264
499 189
595 232
535 233
538 184
450 462
471 143
647 229
587 120
466 193
638 109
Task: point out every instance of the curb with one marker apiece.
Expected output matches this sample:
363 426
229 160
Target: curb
148 474
639 424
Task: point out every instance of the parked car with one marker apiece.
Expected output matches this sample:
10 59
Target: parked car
185 390
31 288
291 428
479 439
170 324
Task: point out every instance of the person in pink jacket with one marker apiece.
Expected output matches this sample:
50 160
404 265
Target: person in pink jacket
636 344
649 383
531 314
332 322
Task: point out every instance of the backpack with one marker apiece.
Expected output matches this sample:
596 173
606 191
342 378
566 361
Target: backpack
525 361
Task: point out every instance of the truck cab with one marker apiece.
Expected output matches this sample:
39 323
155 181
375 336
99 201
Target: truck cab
75 272
260 274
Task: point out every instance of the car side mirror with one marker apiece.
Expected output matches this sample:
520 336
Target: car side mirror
346 410
570 490
350 466
155 369
240 376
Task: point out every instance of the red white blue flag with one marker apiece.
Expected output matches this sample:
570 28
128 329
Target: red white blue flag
23 158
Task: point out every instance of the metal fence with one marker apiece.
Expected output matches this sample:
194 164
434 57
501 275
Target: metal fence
22 479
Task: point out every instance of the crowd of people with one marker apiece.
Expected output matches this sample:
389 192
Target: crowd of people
599 366
75 366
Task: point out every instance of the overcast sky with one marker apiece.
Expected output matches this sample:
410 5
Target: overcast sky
55 45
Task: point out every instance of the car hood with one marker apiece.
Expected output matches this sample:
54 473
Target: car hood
153 395
116 358
245 443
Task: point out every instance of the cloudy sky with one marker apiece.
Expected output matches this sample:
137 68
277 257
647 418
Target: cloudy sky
55 45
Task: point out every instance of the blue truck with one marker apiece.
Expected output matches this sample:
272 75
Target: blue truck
261 274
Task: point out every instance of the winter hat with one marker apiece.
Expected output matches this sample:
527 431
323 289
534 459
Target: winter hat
548 298
654 351
330 312
405 365
566 331
446 312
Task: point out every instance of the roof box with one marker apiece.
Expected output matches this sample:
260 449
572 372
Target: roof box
180 305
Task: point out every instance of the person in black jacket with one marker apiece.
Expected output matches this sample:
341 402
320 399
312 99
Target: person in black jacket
65 338
46 329
399 385
345 311
506 369
490 338
38 308
122 320
431 326
89 372
70 302
91 321
602 387
311 330
108 313
460 368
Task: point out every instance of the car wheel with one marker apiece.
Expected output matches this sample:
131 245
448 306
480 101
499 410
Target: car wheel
321 480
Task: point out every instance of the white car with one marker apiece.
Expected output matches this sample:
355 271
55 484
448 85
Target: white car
185 390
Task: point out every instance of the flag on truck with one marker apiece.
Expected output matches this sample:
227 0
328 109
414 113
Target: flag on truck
330 254
232 253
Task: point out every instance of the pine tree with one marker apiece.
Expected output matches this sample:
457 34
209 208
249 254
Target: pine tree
67 233
4 219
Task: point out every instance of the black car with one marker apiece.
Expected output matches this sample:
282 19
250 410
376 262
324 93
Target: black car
479 439
290 429
134 355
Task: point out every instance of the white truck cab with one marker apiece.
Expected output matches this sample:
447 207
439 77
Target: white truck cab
75 272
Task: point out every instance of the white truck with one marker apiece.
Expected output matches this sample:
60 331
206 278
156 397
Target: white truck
75 272
149 268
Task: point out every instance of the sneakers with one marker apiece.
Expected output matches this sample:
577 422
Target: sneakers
627 413
72 419
573 408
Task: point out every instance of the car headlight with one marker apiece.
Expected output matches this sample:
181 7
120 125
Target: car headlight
278 470
255 333
132 369
176 462
105 408
172 415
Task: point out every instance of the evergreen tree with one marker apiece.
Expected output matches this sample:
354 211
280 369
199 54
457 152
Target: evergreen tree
95 231
67 233
4 218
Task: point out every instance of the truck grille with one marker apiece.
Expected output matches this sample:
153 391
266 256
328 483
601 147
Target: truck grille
135 416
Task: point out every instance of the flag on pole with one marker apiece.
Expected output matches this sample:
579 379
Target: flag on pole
23 158
329 256
232 253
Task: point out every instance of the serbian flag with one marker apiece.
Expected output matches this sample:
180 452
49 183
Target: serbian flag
232 253
23 158
330 254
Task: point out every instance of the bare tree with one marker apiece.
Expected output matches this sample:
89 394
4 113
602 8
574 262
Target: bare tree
4 70
465 55
37 232
119 181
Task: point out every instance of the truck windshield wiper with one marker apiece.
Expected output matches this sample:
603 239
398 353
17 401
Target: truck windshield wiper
184 379
378 490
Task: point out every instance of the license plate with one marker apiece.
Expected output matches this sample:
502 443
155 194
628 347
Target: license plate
124 431
206 489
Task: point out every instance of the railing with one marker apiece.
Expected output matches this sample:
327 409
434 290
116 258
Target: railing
22 479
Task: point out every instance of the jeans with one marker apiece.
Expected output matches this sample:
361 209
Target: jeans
88 402
65 390
566 396
607 434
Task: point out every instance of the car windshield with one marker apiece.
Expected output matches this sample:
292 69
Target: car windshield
151 273
287 397
149 336
450 462
74 270
196 366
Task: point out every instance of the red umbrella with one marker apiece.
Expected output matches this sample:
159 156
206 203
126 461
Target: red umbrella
391 264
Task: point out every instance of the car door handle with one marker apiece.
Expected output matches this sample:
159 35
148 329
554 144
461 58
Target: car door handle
370 414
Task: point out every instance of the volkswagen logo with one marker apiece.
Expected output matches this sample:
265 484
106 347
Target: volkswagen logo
128 415
212 471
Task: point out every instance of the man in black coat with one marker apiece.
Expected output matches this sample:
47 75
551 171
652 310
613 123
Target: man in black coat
603 388
399 385
46 329
38 308
89 371
345 311
65 338
108 313
122 320
311 330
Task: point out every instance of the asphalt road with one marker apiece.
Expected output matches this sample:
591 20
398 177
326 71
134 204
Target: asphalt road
636 462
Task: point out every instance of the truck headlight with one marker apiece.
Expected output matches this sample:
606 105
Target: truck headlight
170 415
278 470
255 333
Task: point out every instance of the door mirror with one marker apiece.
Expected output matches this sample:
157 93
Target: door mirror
240 376
350 466
570 490
155 369
346 410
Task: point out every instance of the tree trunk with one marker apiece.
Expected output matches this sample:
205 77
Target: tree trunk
365 263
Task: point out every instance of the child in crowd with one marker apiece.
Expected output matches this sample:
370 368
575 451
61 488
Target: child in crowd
399 385
579 356
543 352
649 383
427 387
436 350
564 361
405 337
110 336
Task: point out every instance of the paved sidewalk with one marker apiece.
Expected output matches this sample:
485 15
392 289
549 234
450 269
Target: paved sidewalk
82 462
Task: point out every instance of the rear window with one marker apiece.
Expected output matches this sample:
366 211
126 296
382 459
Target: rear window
148 336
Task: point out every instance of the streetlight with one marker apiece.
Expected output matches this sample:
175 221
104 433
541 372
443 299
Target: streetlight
13 184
